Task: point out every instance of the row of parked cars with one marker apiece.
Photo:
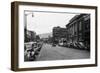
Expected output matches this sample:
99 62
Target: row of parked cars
78 45
32 50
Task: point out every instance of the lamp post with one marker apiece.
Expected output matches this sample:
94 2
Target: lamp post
25 22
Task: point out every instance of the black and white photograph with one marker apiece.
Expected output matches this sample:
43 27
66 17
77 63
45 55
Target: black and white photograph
52 35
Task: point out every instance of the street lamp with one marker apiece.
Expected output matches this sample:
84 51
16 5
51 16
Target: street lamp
25 22
26 14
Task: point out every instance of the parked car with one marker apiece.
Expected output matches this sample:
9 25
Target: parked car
71 45
68 44
75 45
53 44
60 44
31 50
83 46
80 45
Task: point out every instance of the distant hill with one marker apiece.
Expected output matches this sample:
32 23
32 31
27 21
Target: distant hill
45 35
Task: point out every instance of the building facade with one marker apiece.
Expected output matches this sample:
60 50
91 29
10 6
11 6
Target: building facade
78 29
29 36
59 33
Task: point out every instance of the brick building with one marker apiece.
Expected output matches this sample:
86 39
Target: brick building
29 36
59 33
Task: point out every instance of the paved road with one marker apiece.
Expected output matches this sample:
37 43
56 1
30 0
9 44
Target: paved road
60 53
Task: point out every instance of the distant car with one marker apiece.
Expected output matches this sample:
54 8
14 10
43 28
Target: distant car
53 45
60 44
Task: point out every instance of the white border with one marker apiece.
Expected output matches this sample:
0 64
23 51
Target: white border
23 64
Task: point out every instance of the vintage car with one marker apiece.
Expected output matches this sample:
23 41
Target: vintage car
82 45
31 50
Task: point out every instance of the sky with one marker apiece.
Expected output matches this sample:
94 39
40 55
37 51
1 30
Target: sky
43 22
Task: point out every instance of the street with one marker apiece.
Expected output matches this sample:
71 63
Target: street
48 52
